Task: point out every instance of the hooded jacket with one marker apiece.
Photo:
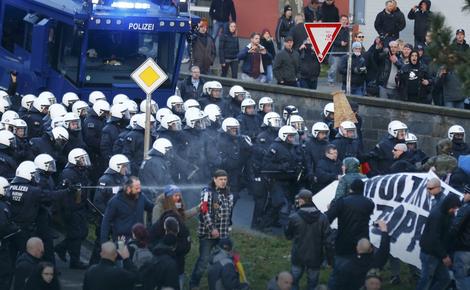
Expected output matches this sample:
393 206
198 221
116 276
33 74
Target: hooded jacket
422 20
311 237
460 230
351 174
410 79
222 274
162 271
443 162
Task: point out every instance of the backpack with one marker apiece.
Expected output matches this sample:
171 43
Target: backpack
141 256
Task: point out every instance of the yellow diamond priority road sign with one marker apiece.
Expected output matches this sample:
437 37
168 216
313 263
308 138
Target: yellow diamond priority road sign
149 76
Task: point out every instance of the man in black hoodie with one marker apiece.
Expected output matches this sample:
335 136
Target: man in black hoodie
329 11
390 22
311 234
435 244
414 80
421 15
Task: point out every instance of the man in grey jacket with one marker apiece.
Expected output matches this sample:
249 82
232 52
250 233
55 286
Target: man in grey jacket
286 64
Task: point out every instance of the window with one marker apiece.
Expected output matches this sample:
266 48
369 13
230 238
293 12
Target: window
15 32
113 55
64 50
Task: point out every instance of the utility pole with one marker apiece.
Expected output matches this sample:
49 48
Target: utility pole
350 26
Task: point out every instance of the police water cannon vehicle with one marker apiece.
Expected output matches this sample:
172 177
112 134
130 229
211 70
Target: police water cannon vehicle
86 45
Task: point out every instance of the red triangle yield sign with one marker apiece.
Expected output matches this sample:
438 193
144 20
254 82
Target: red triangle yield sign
322 36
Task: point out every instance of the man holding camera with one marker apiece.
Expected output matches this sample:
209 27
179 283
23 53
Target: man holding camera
253 68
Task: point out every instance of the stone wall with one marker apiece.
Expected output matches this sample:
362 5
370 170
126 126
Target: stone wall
428 123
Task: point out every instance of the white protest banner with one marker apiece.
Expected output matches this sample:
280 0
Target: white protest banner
402 201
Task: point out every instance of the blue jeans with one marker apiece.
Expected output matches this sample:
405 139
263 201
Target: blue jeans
312 276
269 74
205 248
216 27
333 61
358 91
340 261
462 270
434 274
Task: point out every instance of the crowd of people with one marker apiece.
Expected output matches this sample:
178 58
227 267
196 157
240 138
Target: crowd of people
385 67
61 162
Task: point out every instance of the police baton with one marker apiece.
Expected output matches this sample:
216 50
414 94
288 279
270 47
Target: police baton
94 207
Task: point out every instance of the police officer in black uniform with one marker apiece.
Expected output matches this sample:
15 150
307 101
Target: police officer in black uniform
315 149
249 122
171 128
35 118
8 163
328 117
7 229
116 124
213 95
73 125
346 141
23 150
232 106
133 146
75 173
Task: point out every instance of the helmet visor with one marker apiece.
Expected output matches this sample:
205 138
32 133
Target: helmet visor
83 160
75 125
175 126
20 132
50 166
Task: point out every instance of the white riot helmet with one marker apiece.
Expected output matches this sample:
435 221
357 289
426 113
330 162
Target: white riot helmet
411 139
72 122
153 107
347 129
214 86
191 103
60 135
140 121
69 98
45 162
80 108
132 107
162 145
27 170
27 101
175 103
288 111
79 157
95 96
4 106
195 119
49 96
162 113
171 122
7 119
320 127
57 122
231 126
57 110
286 131
265 101
329 109
101 107
297 122
42 103
20 128
4 185
205 87
120 164
237 91
456 129
395 126
7 139
120 99
120 111
214 113
133 121
4 95
272 119
248 103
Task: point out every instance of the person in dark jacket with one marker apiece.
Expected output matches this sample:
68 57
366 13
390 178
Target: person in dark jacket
222 273
352 274
191 87
203 52
253 56
117 122
339 47
456 134
353 213
435 245
284 25
460 233
421 14
312 11
309 69
389 63
44 277
125 210
329 11
298 32
6 229
8 164
401 163
346 141
162 270
268 42
106 275
351 173
389 22
52 143
328 168
228 50
286 64
312 240
315 149
221 11
414 80
27 262
358 70
415 155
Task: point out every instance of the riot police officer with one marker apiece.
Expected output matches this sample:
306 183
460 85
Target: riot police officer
415 155
35 117
315 149
26 104
249 122
265 105
23 150
171 129
95 96
75 173
328 117
456 134
346 141
52 143
284 164
68 99
232 107
175 104
214 114
55 111
7 229
116 124
8 164
213 95
74 126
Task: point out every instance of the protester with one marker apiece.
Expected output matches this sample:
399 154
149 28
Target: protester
282 281
414 81
401 163
268 42
328 168
309 66
298 32
228 51
443 164
358 70
421 15
221 11
339 47
351 173
312 11
286 64
284 25
390 22
27 262
329 11
252 56
44 277
203 52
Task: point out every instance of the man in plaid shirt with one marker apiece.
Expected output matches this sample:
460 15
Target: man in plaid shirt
215 219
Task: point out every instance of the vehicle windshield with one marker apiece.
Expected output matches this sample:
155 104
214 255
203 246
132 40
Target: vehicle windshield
113 55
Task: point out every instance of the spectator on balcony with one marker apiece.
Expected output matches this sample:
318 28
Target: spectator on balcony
252 56
228 51
284 25
221 11
203 48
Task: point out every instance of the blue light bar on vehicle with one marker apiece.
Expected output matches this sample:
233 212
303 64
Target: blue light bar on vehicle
130 5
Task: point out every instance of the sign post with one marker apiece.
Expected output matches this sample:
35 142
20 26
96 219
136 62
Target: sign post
149 76
322 36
